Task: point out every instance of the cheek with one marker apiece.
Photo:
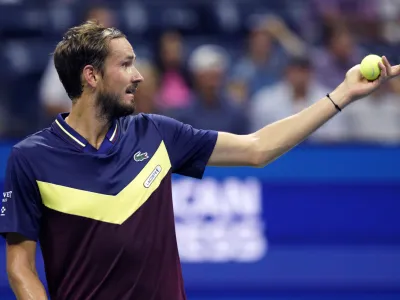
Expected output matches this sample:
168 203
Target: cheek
125 77
119 82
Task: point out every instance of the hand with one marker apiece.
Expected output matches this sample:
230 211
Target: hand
357 87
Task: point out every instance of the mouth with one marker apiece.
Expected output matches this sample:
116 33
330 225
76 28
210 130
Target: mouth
132 89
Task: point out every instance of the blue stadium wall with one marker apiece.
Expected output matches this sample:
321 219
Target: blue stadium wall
320 220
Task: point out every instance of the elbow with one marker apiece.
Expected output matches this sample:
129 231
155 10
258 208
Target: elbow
260 160
257 157
263 154
18 277
17 272
14 277
14 270
257 160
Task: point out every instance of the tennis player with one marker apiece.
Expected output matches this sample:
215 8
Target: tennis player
94 189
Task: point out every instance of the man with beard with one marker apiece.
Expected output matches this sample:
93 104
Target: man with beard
95 188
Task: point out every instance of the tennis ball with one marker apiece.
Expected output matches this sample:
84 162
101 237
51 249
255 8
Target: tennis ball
369 67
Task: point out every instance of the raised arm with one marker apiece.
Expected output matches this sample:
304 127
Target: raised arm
21 268
267 144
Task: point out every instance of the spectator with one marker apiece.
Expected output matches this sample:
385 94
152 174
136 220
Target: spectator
296 91
265 60
174 79
390 17
147 92
339 54
361 16
210 107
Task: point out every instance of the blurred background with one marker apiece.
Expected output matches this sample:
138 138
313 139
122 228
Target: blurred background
321 222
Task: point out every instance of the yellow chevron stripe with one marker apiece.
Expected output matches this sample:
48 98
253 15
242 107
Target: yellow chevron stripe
107 208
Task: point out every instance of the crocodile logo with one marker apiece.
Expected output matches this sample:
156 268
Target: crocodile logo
139 156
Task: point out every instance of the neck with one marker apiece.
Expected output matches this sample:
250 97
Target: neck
85 120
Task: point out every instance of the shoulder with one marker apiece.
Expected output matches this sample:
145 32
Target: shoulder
149 124
34 143
141 119
30 152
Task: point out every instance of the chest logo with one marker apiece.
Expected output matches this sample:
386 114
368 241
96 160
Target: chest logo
139 156
153 175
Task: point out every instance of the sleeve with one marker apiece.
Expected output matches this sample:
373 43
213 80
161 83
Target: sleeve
21 205
189 149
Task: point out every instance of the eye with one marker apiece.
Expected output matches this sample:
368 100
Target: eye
127 64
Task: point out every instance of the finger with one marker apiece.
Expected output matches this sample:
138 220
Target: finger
383 70
395 70
387 65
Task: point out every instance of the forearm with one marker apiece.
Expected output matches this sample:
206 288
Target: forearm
26 284
277 138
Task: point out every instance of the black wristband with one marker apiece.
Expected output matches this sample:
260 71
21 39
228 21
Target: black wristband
336 106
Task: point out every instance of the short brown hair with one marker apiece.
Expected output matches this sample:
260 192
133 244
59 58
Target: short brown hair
86 44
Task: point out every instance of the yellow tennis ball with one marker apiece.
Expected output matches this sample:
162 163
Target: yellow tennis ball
369 67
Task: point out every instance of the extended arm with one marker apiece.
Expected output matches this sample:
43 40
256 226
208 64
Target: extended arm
262 147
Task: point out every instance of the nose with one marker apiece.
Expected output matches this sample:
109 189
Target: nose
137 77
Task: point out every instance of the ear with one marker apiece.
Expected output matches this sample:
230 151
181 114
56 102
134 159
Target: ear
90 76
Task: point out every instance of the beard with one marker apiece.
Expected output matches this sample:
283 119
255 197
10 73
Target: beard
111 107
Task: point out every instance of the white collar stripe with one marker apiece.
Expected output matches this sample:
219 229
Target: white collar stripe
115 131
70 135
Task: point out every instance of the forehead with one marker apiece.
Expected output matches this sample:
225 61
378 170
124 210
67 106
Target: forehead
120 48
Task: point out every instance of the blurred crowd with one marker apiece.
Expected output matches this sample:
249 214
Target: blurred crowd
224 71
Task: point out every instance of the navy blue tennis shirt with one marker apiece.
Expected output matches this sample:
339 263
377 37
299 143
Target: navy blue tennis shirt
104 218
